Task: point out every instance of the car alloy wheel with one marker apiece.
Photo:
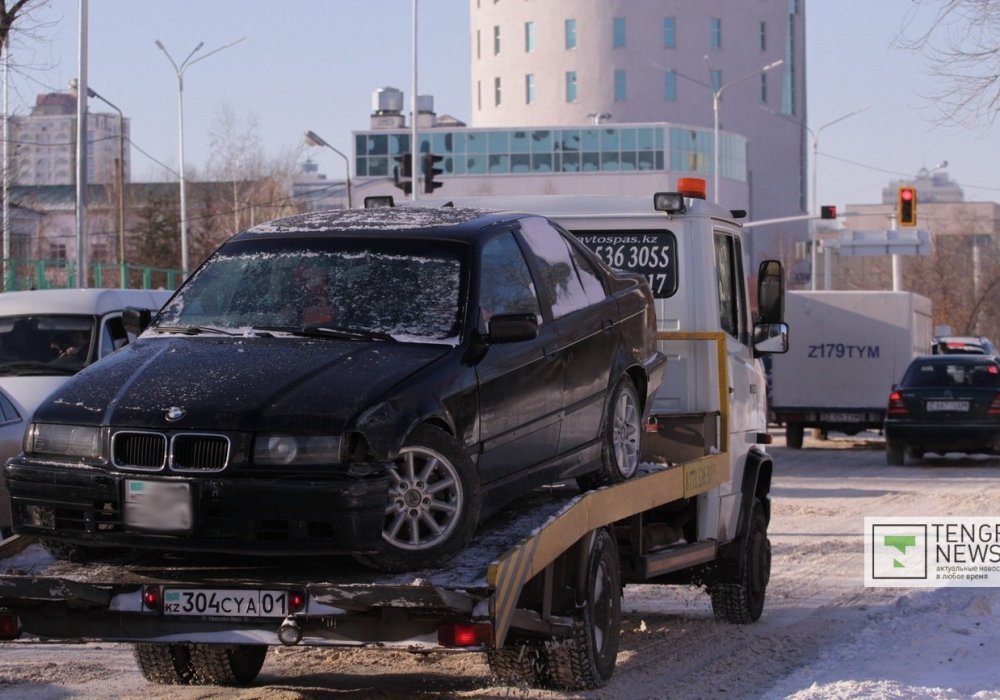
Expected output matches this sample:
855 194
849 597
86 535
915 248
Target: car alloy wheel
425 500
625 434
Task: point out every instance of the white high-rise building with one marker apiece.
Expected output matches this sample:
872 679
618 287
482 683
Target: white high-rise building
44 144
615 62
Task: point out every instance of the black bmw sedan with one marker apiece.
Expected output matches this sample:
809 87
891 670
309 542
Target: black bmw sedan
944 403
374 382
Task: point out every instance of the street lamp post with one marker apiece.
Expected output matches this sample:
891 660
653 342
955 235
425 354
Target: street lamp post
179 69
314 139
120 174
716 99
814 135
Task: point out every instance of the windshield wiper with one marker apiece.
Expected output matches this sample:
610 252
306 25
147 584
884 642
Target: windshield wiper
191 330
327 331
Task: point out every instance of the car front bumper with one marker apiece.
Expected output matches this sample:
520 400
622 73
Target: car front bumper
85 505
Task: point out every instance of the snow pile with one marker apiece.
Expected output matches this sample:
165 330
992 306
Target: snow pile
930 644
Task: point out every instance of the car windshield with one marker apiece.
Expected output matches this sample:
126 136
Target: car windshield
360 288
952 374
34 344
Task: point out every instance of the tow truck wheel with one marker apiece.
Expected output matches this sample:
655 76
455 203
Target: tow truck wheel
226 664
433 504
519 665
166 664
741 601
794 432
586 658
622 435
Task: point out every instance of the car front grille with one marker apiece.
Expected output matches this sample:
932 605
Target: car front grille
182 452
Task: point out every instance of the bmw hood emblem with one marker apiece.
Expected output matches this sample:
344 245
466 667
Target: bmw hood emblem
175 413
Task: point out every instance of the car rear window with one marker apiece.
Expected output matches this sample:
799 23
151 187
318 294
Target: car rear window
946 374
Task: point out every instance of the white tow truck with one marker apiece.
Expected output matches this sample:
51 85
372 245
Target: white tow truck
539 590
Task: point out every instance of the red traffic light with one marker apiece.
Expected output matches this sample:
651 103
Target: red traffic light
828 211
906 208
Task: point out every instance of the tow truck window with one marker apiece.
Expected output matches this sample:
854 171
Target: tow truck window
729 269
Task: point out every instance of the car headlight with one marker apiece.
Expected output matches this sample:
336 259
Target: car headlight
297 449
80 441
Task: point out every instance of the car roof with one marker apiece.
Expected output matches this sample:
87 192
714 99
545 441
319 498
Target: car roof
461 223
90 302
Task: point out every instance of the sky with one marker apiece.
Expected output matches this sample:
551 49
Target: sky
314 64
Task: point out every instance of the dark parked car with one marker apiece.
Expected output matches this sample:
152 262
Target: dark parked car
373 382
945 403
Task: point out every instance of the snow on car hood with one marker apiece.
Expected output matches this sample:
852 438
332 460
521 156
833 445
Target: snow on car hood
245 384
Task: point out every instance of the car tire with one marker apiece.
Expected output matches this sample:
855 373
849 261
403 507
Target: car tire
794 432
895 454
433 504
622 435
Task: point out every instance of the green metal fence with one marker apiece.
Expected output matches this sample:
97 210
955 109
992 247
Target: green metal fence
63 274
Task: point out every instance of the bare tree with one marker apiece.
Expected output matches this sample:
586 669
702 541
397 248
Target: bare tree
10 12
960 41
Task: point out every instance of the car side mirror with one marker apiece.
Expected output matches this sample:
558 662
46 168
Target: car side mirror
512 328
771 292
770 338
136 320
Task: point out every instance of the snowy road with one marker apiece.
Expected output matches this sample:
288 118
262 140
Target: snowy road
822 634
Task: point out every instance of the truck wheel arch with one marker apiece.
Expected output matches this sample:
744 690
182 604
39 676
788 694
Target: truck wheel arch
757 473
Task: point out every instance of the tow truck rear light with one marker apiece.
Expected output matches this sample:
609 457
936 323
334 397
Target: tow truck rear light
896 405
465 634
151 598
10 625
296 601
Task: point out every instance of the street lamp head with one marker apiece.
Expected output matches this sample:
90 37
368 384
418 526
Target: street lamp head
159 45
313 139
769 66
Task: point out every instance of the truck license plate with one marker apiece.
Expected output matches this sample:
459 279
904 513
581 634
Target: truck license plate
842 417
164 506
222 602
948 406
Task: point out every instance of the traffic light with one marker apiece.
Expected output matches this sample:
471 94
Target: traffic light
907 210
828 211
403 169
428 160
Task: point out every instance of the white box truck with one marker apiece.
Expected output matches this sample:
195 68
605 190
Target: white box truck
847 350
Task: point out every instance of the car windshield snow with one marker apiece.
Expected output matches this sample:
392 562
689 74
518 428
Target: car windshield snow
354 288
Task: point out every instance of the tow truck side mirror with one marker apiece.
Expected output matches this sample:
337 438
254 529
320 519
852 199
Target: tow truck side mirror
771 292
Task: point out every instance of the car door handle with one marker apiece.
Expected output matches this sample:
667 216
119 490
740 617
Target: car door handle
550 350
607 324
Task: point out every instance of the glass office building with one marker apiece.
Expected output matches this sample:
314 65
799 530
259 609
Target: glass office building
601 149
